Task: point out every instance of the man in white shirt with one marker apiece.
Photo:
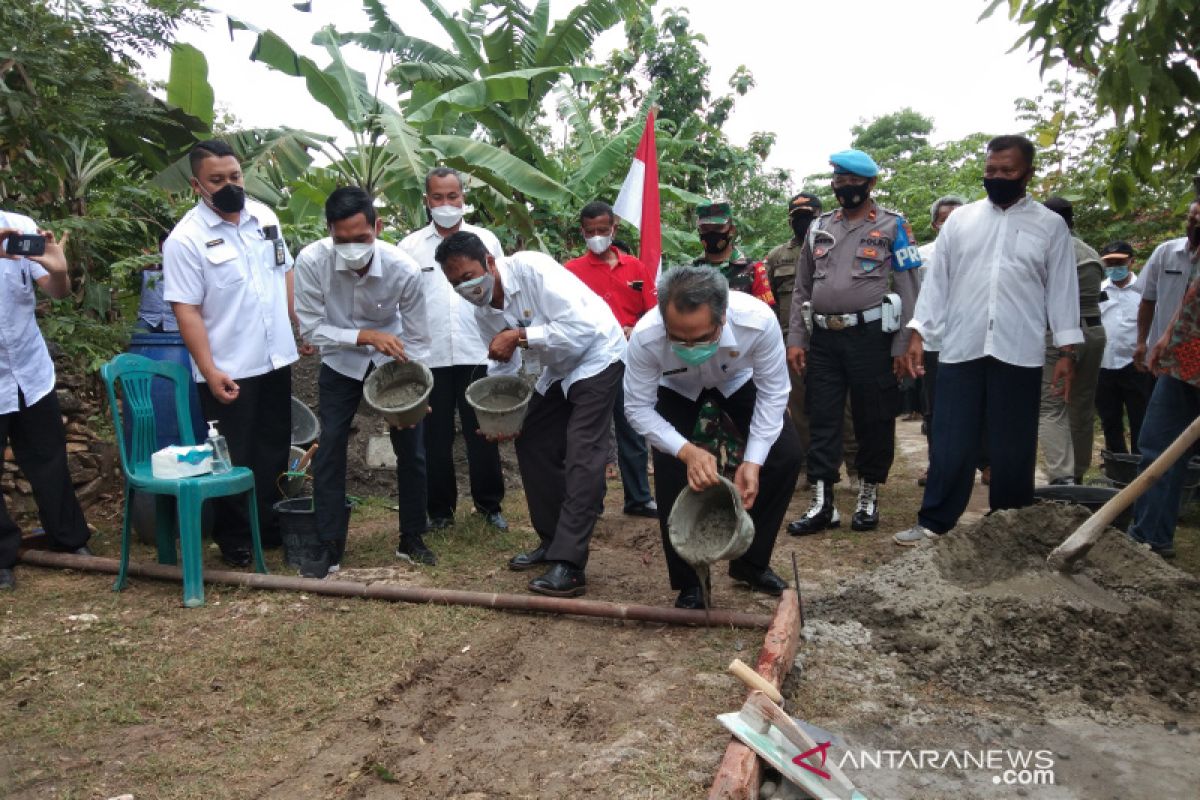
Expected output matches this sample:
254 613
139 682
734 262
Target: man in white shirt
1122 388
529 301
30 420
1003 273
227 274
360 300
706 372
1164 280
457 357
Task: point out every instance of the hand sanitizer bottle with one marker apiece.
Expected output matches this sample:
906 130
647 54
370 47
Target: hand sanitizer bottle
221 462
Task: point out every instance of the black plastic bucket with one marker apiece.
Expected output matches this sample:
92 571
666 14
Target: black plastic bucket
1090 497
298 529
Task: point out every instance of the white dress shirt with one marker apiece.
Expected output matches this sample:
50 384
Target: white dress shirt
334 304
232 272
571 330
1118 314
1165 279
927 252
25 363
999 279
452 329
751 348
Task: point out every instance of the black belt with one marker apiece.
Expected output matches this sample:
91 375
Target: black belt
1091 322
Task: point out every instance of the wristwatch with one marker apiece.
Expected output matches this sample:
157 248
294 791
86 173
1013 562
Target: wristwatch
1072 354
522 342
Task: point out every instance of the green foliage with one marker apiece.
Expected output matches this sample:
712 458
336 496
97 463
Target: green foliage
83 337
1142 57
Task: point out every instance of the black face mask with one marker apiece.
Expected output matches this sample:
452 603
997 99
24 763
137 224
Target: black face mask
800 223
852 196
714 241
1003 191
230 199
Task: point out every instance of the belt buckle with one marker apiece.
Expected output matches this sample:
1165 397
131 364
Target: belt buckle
835 322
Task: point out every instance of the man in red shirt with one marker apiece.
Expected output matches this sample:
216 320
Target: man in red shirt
628 287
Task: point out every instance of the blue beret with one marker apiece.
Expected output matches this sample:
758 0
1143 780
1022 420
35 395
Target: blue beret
855 162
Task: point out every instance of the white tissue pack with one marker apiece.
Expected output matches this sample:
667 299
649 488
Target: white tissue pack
181 461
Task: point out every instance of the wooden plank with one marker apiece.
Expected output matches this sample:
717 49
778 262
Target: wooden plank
740 773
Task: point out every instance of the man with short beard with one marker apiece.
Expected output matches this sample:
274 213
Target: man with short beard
860 275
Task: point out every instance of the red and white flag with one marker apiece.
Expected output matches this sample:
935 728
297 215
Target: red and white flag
638 202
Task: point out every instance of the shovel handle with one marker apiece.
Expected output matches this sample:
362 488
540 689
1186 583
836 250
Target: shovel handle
307 457
1078 543
754 681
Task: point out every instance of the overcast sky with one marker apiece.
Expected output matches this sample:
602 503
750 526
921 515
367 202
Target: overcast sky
819 67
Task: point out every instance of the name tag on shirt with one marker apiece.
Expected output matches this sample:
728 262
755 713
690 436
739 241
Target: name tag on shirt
675 371
280 258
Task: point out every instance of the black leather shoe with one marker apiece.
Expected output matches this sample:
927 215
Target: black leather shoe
647 509
440 523
524 561
561 580
413 550
7 579
692 598
236 556
496 520
765 581
319 566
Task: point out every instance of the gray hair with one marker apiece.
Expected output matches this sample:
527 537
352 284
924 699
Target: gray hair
945 200
688 288
444 172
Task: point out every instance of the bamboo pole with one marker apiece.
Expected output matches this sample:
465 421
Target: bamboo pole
412 594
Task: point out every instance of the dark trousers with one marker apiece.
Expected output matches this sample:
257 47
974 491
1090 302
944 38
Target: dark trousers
39 442
1120 392
483 457
931 370
1173 406
777 478
857 361
562 452
983 397
632 456
258 428
339 399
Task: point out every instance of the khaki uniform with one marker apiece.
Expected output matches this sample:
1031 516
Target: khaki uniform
1066 429
849 269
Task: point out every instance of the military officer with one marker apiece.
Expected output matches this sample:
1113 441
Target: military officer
860 276
718 232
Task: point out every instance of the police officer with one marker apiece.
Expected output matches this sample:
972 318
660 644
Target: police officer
718 232
860 276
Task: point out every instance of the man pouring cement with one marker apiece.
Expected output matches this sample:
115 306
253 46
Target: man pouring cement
528 301
706 372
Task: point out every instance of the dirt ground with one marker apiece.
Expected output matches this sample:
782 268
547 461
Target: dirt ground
963 645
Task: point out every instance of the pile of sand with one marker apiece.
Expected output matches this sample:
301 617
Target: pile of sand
979 612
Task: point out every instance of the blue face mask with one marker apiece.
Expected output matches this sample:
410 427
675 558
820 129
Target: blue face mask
696 354
1117 274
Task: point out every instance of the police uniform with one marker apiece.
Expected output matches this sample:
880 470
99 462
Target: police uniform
781 273
236 274
847 275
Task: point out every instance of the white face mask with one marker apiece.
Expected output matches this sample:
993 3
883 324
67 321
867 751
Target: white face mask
599 244
356 254
448 216
477 291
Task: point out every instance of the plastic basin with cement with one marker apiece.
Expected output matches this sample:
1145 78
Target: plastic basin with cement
399 390
500 403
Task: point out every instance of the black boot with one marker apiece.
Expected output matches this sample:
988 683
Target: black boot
821 514
866 512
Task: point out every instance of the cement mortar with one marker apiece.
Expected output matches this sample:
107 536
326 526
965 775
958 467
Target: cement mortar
979 611
400 396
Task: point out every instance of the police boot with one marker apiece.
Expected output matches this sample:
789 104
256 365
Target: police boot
866 512
821 512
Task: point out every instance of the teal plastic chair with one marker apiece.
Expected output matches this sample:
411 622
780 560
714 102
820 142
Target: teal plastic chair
135 374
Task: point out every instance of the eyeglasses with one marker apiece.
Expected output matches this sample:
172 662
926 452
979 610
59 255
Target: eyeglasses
708 338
